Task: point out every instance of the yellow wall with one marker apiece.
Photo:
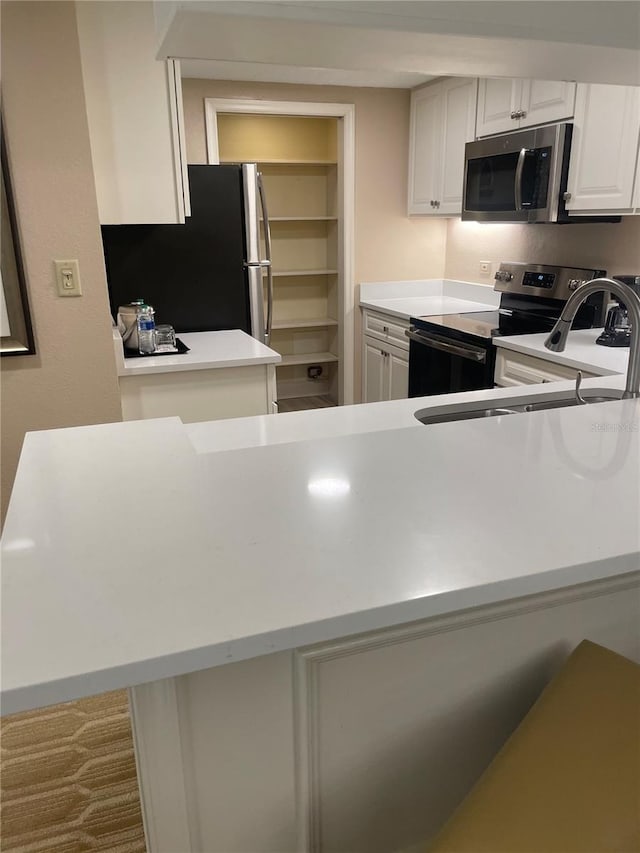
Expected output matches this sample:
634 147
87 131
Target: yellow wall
72 380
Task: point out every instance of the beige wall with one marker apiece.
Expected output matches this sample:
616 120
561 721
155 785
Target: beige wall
72 380
612 247
388 245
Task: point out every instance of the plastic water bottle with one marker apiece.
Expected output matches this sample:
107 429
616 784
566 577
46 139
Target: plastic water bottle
146 330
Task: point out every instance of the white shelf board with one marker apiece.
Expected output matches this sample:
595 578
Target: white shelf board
281 162
314 323
307 358
302 219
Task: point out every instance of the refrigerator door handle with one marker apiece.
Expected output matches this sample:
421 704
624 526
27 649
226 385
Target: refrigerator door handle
267 261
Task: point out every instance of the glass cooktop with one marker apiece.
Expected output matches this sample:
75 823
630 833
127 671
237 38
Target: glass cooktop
487 324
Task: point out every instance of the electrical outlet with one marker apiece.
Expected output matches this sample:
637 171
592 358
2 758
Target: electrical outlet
68 278
485 267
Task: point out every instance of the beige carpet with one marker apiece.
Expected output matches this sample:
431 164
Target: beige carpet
68 779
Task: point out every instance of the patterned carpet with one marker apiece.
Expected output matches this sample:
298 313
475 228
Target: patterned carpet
68 779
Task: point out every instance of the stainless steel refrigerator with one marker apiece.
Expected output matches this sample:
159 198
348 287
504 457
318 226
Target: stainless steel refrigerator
207 274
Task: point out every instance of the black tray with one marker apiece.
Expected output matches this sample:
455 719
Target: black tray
181 349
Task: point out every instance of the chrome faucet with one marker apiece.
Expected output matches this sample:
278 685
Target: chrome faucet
558 336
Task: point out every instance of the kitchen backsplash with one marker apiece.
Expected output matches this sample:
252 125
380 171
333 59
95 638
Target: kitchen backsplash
614 247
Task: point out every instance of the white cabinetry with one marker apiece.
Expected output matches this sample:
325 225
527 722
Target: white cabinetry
510 104
134 111
516 368
442 121
604 149
385 358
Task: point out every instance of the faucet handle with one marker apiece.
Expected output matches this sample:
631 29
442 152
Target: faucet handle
579 396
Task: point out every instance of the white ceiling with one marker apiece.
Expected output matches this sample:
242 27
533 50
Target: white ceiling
402 43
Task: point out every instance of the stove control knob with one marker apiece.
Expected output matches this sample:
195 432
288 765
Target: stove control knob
503 275
574 283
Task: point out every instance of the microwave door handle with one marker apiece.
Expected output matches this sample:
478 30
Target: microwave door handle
472 353
267 262
522 156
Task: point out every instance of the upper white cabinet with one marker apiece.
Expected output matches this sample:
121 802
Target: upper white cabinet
604 150
134 110
506 104
442 121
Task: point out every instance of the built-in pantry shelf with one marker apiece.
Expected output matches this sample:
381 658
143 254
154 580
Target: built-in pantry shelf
303 219
307 358
281 162
292 273
313 323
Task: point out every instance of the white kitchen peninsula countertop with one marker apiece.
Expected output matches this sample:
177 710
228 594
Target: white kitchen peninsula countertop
208 350
132 552
427 297
581 351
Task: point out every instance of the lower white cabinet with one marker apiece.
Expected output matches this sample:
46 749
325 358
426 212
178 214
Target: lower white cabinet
516 368
385 358
386 372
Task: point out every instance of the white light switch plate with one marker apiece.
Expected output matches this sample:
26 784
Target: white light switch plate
68 278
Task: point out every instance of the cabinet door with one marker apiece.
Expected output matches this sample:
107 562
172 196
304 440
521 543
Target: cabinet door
459 113
497 99
397 374
133 105
604 148
373 372
425 130
545 101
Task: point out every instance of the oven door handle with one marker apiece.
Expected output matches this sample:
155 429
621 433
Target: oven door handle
464 351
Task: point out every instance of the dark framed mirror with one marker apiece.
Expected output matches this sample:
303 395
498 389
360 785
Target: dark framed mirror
16 332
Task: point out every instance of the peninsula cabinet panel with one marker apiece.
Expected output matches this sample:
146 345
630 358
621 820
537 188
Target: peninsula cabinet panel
361 743
442 121
604 149
506 104
134 112
200 395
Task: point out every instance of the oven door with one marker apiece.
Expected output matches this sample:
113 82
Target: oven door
439 365
516 177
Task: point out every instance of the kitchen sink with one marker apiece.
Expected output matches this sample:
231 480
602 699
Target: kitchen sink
518 406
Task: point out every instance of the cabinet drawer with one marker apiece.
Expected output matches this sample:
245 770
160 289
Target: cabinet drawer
391 330
515 368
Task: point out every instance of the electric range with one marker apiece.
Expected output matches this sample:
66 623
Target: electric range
455 352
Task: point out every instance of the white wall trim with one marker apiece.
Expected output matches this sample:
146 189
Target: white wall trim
346 180
158 750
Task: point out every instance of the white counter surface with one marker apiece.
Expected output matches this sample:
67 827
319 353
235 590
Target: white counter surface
581 351
208 350
407 299
134 552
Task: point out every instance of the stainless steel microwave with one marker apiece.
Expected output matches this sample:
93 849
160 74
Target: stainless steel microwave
520 177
